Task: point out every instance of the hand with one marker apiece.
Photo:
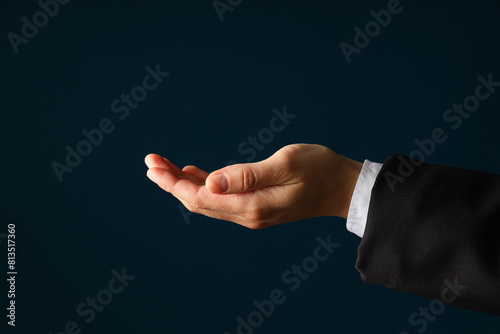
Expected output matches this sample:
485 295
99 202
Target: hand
299 181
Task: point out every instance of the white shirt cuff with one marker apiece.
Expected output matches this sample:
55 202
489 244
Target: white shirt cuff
358 209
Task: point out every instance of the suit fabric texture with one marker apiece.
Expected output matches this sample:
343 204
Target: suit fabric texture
434 231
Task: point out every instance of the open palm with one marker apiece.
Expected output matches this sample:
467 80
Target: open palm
298 181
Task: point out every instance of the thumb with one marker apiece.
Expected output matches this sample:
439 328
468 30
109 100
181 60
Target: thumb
243 177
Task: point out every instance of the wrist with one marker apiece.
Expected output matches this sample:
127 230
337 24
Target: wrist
348 178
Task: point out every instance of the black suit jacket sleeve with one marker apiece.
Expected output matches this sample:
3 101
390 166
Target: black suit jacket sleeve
437 234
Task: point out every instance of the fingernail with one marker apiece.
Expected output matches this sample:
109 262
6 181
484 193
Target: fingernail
220 182
151 175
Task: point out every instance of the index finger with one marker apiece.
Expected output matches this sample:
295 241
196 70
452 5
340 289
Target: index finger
198 195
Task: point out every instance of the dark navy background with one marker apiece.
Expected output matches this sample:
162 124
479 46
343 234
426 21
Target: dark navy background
225 79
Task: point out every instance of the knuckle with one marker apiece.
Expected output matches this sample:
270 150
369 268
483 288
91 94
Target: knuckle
191 208
253 216
253 226
257 213
187 206
248 178
289 152
289 156
195 206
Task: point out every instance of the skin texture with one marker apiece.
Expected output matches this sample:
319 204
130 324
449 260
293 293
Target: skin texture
299 181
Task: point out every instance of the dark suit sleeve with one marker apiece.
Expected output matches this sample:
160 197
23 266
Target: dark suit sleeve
435 234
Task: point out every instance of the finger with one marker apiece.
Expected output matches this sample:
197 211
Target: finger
234 218
197 198
245 177
196 195
211 213
177 185
199 173
155 160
